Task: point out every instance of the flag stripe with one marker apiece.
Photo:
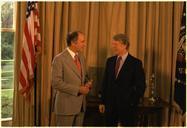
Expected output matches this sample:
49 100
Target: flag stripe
29 42
24 59
22 80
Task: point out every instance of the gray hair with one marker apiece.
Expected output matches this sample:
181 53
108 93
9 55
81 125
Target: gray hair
122 38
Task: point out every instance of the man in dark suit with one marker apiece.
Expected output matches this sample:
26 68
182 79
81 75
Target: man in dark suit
123 85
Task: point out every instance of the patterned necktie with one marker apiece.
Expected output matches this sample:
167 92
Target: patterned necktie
117 65
78 64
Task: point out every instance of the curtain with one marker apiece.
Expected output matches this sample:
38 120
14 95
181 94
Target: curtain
22 111
152 27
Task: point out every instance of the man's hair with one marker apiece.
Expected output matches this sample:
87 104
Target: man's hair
122 38
72 37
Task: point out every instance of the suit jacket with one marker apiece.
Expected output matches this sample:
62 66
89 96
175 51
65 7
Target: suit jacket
125 90
66 81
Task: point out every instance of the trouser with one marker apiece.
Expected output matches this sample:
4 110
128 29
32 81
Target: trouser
126 117
70 120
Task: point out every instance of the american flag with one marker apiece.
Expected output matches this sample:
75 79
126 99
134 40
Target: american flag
180 74
31 48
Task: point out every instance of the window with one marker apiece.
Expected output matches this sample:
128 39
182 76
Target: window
7 57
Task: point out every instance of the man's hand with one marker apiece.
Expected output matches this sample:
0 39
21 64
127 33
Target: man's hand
89 84
84 90
101 108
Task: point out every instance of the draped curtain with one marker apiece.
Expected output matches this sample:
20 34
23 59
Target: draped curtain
152 27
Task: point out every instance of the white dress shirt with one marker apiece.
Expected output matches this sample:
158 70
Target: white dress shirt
71 53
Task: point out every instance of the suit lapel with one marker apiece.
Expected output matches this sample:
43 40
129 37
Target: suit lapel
70 61
113 66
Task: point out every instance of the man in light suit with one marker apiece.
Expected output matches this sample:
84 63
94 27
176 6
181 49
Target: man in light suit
69 81
123 85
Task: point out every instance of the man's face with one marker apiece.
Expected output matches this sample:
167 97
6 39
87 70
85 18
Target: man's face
118 47
80 43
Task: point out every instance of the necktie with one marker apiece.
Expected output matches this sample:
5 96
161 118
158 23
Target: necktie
77 62
117 65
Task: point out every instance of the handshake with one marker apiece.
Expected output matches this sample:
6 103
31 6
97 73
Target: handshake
84 89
